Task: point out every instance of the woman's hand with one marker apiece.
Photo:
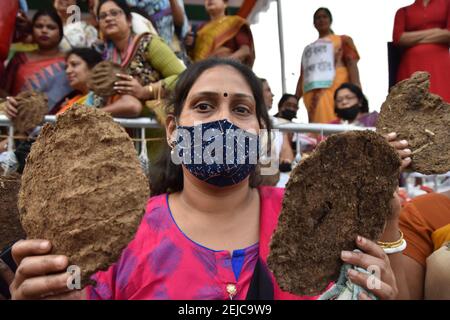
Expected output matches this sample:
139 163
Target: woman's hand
130 86
222 52
23 26
401 147
11 108
189 40
40 275
374 258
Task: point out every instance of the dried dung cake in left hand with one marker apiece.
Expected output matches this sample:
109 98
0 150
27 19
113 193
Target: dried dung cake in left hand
103 76
31 110
10 227
83 189
342 190
421 118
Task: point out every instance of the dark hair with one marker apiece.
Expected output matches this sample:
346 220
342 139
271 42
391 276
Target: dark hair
90 56
122 4
357 91
53 15
141 12
327 12
165 176
284 98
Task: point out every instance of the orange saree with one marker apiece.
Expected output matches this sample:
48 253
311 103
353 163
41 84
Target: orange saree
215 35
320 102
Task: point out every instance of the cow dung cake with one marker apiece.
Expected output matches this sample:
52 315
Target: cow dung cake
31 110
103 76
421 118
342 190
10 227
83 189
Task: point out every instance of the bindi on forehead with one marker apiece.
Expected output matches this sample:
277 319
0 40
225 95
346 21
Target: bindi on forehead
225 94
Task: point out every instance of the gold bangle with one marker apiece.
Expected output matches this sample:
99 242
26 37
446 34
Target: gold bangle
150 89
394 244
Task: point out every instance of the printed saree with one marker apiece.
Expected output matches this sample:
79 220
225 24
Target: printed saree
44 75
215 34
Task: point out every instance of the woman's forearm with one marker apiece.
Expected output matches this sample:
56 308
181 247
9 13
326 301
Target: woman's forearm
177 13
392 234
241 54
396 261
353 72
126 106
438 36
408 39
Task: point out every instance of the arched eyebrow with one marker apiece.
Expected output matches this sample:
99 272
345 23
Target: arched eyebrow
216 95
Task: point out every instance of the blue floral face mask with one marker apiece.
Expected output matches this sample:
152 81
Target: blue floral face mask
217 152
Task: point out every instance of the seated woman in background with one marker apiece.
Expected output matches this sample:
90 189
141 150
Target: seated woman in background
80 62
150 64
140 22
151 67
351 106
43 69
287 107
287 110
224 36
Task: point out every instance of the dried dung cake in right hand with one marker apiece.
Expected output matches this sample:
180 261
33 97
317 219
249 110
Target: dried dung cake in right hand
103 76
83 189
31 110
342 190
10 227
421 118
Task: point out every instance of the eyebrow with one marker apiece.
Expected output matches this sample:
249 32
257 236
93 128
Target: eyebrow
213 94
51 23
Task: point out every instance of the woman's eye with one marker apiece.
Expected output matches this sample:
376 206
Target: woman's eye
203 106
242 110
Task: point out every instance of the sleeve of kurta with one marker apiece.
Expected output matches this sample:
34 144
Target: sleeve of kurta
164 60
399 25
417 234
